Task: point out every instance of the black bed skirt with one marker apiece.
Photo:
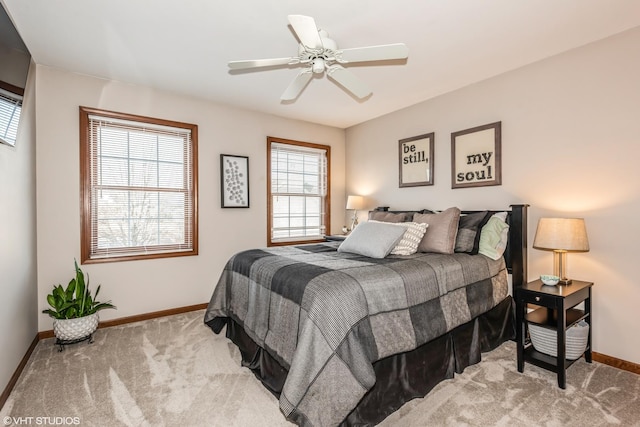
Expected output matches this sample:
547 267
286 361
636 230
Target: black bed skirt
401 377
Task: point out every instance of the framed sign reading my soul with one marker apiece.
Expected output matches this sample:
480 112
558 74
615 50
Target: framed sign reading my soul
416 160
476 156
234 181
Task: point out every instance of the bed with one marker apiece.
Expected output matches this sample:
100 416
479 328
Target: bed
345 339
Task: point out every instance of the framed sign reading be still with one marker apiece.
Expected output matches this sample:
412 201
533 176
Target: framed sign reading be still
416 160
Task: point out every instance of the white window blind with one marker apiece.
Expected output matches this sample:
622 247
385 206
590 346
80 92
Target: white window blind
141 188
298 192
10 109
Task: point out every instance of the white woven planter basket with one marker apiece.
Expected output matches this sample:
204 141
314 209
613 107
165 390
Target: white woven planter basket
75 329
544 339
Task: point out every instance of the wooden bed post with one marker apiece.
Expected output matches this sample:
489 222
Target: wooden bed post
518 245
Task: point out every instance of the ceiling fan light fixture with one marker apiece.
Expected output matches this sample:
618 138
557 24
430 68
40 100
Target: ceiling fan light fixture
318 65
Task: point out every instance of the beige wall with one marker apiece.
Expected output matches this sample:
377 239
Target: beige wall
145 286
18 320
570 147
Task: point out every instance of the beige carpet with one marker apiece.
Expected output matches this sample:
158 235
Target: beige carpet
174 371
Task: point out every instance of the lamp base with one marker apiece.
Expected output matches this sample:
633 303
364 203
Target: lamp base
559 266
354 220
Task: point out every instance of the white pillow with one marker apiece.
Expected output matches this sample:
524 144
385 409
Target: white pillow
372 239
501 215
408 244
494 236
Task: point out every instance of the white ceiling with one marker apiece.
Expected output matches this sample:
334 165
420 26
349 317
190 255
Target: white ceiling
184 46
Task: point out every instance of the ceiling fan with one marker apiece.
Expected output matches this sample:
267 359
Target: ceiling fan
318 53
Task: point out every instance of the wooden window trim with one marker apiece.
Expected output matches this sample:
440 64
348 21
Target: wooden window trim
11 88
327 201
85 185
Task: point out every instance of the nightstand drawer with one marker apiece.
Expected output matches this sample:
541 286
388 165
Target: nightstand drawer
538 299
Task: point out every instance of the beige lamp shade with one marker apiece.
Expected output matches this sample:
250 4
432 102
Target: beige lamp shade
561 235
355 202
565 234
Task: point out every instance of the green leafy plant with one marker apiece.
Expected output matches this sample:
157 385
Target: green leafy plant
76 300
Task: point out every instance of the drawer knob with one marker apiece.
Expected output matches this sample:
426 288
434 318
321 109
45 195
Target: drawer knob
537 298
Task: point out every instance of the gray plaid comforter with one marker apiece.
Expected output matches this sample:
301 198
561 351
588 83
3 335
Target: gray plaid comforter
326 316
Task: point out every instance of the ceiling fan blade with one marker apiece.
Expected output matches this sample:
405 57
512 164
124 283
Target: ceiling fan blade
255 63
374 53
349 81
306 30
297 85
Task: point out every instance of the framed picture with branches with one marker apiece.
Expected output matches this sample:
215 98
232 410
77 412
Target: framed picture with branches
234 181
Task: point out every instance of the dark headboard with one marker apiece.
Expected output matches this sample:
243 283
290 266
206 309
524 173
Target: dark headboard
516 251
515 254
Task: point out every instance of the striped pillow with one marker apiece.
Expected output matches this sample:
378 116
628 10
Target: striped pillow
411 238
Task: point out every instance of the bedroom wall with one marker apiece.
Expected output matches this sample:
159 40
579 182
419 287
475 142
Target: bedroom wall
570 148
145 286
18 320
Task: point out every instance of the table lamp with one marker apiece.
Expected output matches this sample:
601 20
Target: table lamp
561 235
356 203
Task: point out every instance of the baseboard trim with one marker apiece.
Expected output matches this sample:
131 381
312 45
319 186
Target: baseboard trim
152 315
136 318
616 363
14 378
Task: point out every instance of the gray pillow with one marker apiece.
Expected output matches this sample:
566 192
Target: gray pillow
390 216
408 245
468 238
372 239
441 233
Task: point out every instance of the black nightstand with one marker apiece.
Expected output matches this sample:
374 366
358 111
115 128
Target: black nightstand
556 311
335 238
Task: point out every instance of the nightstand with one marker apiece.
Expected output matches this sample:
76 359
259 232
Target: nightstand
556 310
335 238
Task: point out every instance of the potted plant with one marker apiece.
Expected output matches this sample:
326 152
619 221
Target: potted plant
74 309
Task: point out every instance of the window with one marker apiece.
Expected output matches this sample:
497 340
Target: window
298 191
139 187
10 108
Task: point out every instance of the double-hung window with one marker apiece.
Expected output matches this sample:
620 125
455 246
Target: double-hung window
139 187
298 191
10 109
